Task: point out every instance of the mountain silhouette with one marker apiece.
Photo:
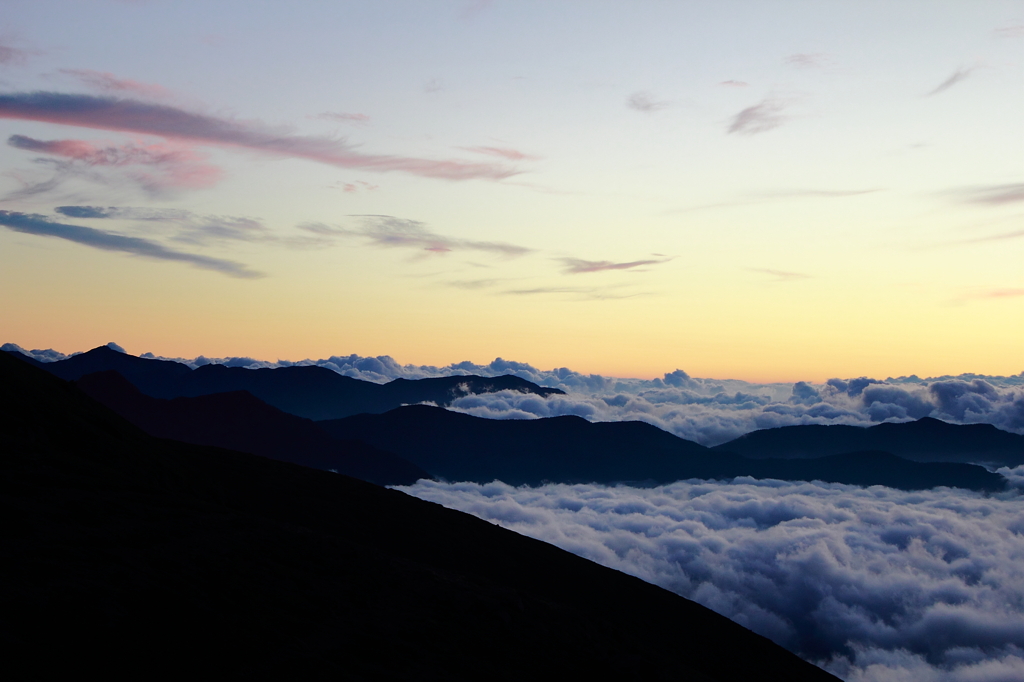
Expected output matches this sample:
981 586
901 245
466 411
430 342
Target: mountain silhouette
308 391
143 556
461 447
237 420
924 440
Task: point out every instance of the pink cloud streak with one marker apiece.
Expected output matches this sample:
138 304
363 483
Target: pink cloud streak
128 115
503 152
576 266
357 119
178 166
108 82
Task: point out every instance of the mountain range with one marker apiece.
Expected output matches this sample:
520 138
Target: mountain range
924 440
264 412
135 555
305 391
461 447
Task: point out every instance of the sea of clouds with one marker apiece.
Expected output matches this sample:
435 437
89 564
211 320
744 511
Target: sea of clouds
708 411
873 584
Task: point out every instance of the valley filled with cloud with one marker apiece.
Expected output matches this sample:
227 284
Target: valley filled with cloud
873 584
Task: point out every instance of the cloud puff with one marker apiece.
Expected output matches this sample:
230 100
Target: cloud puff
108 241
391 232
874 584
576 266
734 84
645 102
133 116
108 82
958 76
759 118
155 167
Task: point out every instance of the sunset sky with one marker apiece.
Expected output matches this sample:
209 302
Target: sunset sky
768 191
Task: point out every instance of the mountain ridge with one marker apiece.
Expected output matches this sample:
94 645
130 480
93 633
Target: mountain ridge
460 447
306 391
924 440
136 554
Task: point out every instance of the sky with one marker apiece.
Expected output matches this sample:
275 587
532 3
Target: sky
766 191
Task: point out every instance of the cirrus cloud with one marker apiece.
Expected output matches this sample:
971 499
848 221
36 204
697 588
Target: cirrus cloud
576 266
134 116
391 232
108 241
108 82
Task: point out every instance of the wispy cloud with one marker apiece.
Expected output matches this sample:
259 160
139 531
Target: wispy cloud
576 293
1016 234
128 115
188 227
167 165
391 232
503 152
1010 32
995 293
473 284
958 76
355 185
576 266
645 102
12 55
108 82
759 118
39 225
819 193
807 60
734 84
995 195
355 119
780 275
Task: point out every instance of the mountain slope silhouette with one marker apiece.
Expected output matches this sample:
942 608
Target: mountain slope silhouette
239 421
142 556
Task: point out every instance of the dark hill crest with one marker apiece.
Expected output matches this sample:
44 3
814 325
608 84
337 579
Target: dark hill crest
135 554
305 391
924 440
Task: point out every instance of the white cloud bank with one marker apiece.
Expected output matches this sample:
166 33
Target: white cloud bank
872 584
708 411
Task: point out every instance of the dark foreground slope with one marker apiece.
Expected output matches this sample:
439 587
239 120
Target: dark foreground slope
311 392
240 421
124 554
924 440
460 447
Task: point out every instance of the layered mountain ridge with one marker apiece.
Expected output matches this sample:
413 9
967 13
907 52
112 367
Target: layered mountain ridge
132 554
229 407
305 391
